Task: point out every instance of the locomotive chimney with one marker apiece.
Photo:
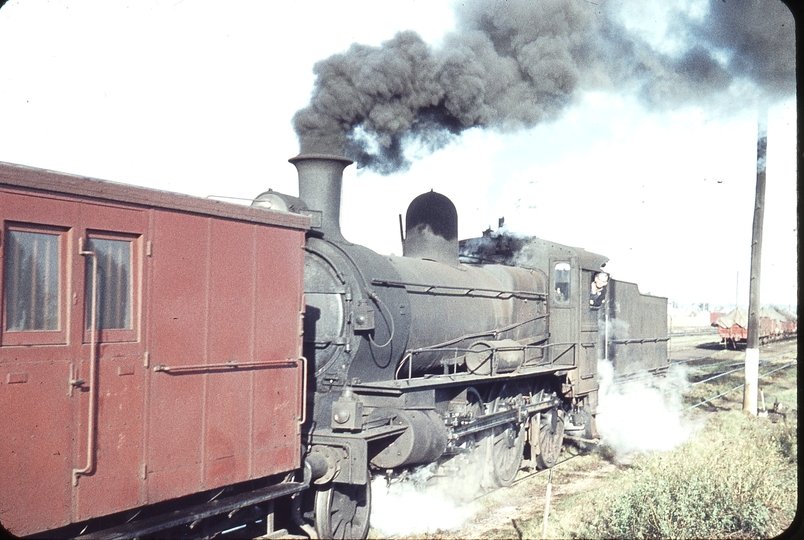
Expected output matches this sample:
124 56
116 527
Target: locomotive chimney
320 181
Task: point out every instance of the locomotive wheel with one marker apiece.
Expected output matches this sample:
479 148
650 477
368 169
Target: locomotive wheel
343 510
551 438
507 441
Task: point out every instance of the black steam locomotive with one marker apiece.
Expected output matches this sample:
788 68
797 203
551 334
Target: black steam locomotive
472 355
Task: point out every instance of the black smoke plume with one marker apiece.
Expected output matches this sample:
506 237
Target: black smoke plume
512 64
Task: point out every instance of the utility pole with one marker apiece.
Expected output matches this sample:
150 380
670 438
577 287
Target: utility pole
752 345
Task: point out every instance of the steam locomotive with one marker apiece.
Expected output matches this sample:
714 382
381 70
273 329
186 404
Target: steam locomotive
170 362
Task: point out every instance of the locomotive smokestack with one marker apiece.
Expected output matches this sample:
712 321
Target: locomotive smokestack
320 181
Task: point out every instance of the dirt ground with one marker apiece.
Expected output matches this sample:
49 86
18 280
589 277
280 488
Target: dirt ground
517 511
504 511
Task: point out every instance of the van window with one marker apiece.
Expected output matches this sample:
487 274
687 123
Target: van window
32 279
114 294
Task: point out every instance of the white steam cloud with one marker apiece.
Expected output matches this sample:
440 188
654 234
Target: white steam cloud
415 506
641 415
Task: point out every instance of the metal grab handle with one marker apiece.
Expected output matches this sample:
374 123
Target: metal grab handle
224 366
303 418
237 366
93 367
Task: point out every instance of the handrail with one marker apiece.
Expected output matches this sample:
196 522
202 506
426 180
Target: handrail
225 366
237 366
303 361
456 290
408 357
93 367
638 340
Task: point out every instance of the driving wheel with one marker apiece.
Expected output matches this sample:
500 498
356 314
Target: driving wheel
551 437
507 440
342 510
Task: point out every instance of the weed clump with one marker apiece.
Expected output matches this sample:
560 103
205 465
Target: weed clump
737 478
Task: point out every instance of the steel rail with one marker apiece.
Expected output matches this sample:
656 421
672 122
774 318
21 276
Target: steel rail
713 377
738 387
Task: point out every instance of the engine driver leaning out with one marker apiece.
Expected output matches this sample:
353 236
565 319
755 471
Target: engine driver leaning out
598 288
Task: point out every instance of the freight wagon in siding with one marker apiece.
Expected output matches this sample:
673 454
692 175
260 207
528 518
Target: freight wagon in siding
150 349
773 325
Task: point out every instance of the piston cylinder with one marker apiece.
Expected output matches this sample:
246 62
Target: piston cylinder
424 440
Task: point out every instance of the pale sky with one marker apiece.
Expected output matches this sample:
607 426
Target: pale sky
197 97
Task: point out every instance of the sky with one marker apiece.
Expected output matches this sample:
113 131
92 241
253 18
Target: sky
653 167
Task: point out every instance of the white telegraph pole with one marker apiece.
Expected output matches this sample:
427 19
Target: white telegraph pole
752 345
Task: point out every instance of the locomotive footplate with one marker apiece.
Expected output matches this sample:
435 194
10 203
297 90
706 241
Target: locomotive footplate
399 386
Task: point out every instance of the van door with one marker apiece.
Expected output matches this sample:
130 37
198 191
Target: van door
71 359
108 470
35 359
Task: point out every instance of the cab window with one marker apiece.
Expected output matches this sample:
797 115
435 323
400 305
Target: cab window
561 280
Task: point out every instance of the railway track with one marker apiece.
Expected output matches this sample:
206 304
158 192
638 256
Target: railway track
706 368
708 331
722 394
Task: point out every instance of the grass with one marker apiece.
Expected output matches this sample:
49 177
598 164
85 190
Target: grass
736 479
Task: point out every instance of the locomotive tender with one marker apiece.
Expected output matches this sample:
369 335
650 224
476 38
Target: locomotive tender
256 351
